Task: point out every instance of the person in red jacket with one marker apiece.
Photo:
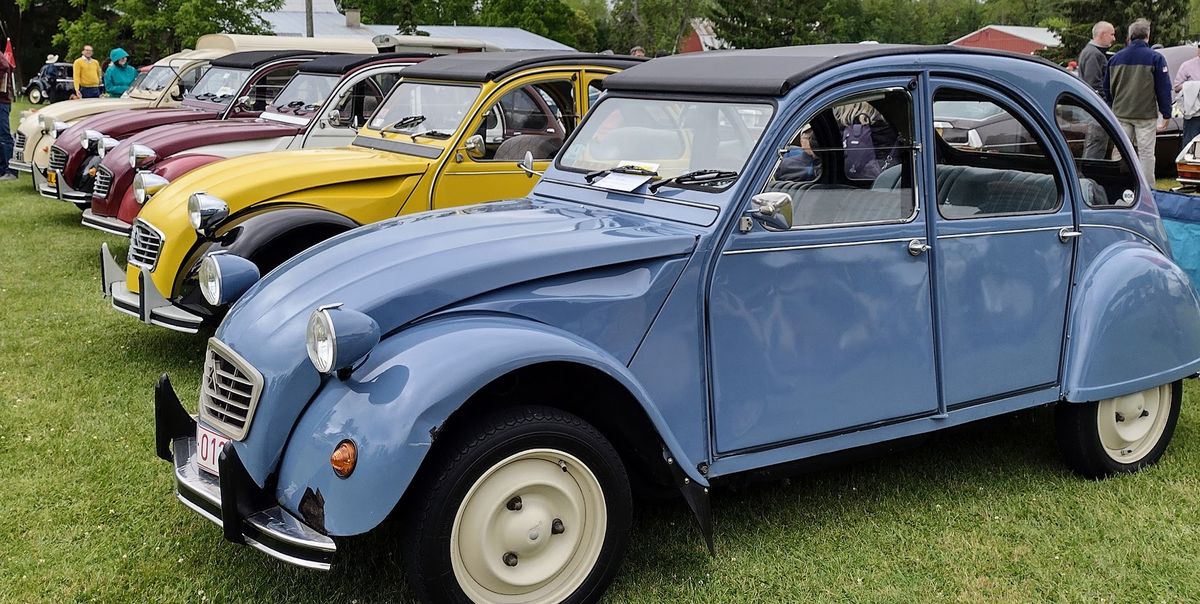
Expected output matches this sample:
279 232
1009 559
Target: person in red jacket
6 98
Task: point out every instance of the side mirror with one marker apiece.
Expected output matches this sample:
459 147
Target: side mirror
773 209
176 93
526 164
474 146
243 103
335 117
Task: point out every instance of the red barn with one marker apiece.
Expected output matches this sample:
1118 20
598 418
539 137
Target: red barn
1013 38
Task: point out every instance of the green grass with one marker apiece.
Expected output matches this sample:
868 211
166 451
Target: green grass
984 514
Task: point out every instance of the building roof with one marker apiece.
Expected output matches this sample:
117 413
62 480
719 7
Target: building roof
1038 35
253 58
508 38
707 34
327 21
342 63
487 66
766 71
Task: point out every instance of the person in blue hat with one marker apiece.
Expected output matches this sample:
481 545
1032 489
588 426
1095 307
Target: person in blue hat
120 74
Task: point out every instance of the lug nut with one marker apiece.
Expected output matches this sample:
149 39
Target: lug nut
514 505
1120 417
510 559
556 527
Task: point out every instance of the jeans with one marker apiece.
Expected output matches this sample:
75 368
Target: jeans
6 139
90 92
1143 133
1191 127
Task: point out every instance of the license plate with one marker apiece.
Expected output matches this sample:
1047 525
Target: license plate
52 177
208 449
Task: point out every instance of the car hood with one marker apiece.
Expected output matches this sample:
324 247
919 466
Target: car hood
69 111
403 269
121 124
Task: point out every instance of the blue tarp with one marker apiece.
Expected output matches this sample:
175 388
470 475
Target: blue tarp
1181 217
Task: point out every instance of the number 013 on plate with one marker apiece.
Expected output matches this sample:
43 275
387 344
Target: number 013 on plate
208 449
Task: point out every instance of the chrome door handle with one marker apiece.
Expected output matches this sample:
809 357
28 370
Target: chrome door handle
916 247
1066 234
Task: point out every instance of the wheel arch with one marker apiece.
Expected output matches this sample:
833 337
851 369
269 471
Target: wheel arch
1134 324
446 372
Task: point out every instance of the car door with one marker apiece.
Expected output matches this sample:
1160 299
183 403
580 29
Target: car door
1004 245
516 118
827 327
354 100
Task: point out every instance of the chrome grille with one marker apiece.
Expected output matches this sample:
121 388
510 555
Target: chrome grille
229 390
19 144
58 159
145 242
103 182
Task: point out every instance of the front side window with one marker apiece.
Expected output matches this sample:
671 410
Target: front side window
534 118
671 137
219 85
1105 177
364 99
851 163
989 161
269 85
304 94
156 79
425 110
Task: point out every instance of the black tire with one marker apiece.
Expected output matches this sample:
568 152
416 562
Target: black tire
1078 434
477 448
35 95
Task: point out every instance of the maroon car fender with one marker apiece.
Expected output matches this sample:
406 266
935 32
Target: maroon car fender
171 169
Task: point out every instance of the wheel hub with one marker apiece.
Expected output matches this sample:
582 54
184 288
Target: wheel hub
1130 426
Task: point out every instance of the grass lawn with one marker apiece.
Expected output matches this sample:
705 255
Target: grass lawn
984 514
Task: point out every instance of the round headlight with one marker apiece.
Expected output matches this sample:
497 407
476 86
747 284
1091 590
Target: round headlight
321 340
147 185
205 212
59 127
84 139
47 123
139 155
209 277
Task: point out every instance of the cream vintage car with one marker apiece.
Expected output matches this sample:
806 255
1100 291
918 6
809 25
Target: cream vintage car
162 86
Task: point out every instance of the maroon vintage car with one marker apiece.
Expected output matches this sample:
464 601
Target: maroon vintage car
237 85
321 106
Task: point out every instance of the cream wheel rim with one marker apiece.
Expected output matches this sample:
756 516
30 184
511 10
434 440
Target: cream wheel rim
1132 425
529 530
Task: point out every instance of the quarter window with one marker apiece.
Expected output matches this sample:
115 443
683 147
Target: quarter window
989 162
1105 177
851 163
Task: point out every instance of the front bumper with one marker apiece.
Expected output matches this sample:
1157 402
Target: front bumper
62 191
243 510
20 166
108 224
147 305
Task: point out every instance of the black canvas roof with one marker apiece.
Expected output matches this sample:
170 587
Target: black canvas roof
341 63
487 66
766 71
253 58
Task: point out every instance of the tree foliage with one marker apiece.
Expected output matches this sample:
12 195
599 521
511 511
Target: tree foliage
408 14
550 18
655 25
150 29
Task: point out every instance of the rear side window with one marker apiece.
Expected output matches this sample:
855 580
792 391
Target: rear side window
1105 177
989 161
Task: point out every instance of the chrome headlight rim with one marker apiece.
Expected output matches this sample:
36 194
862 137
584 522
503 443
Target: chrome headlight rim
206 212
209 278
106 143
140 155
90 138
59 127
147 185
320 338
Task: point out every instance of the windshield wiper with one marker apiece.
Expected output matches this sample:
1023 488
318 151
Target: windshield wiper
435 134
635 170
695 177
204 97
407 122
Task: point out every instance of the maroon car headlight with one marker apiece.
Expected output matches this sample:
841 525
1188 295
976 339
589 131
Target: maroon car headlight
146 185
140 155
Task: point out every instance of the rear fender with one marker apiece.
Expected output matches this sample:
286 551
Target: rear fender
1134 324
395 404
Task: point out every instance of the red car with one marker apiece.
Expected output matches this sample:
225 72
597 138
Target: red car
237 85
321 106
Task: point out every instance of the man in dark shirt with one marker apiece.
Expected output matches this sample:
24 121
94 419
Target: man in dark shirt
6 97
1093 61
1138 86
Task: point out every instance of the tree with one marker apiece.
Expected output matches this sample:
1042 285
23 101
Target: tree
656 25
766 23
25 21
151 29
408 14
550 18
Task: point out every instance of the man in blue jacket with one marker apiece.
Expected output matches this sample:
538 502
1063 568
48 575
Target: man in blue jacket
1138 86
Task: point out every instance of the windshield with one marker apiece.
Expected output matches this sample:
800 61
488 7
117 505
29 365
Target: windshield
304 94
133 86
219 85
669 138
972 110
425 109
155 80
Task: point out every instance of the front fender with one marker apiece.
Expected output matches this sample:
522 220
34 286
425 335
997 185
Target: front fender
1135 324
393 406
173 167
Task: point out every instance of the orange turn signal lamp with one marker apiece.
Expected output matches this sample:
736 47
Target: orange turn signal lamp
344 458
